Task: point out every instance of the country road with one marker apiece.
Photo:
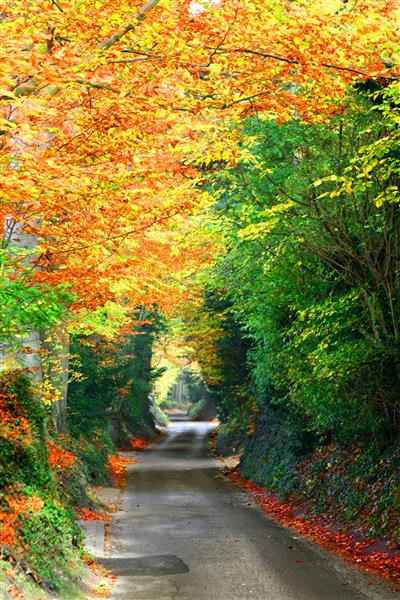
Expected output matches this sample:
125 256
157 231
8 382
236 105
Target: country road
185 533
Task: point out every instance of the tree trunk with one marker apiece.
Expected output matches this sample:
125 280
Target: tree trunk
55 348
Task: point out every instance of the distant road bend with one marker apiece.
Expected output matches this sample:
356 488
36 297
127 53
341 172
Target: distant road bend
185 533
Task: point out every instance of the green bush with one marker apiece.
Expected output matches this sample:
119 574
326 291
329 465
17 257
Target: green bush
22 434
159 416
273 451
50 539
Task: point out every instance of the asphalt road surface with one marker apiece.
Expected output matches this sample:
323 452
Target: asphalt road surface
185 533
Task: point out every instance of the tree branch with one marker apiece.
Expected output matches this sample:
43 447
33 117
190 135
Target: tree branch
99 86
115 37
292 61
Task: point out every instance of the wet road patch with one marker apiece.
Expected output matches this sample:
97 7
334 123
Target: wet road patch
163 564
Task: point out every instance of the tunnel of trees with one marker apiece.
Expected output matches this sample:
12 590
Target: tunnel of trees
200 211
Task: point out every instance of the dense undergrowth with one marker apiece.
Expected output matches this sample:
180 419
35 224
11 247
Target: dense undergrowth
37 511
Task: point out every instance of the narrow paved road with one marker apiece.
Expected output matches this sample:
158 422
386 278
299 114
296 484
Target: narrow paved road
185 533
